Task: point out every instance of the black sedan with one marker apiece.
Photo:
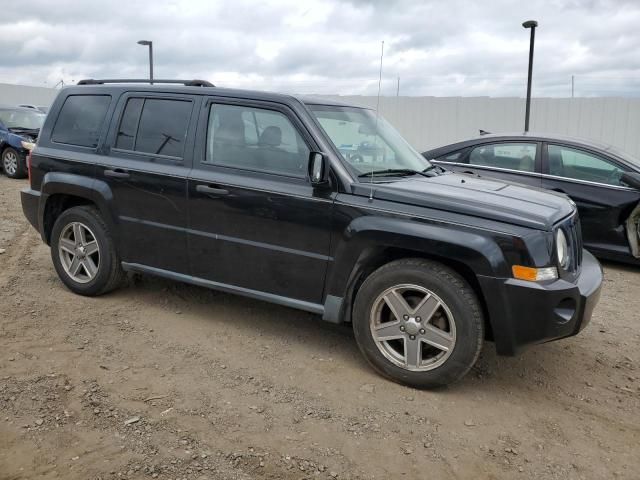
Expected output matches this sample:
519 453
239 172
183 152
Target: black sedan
602 181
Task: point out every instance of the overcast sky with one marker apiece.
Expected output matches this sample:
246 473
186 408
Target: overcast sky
442 48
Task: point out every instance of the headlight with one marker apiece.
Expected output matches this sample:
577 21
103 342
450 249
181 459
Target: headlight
28 145
562 249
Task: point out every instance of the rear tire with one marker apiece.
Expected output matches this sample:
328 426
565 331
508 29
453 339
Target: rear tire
84 253
418 323
13 164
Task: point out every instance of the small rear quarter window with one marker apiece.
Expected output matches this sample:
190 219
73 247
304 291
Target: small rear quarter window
81 119
457 156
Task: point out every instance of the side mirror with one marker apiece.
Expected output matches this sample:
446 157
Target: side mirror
632 179
318 169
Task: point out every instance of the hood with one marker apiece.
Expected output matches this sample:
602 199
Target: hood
481 197
25 132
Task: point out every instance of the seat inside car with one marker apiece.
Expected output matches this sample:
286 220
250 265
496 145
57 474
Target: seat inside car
556 166
527 164
271 137
229 144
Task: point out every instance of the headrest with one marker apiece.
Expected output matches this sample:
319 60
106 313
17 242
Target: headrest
271 137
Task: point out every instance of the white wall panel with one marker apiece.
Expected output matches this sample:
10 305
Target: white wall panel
20 94
428 122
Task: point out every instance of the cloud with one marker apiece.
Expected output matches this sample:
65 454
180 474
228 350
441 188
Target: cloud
460 47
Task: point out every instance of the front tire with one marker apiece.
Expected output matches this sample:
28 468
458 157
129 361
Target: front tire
13 164
84 253
418 323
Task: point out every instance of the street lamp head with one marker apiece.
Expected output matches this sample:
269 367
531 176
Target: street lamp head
530 24
144 42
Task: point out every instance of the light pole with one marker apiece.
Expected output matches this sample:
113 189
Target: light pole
150 44
532 24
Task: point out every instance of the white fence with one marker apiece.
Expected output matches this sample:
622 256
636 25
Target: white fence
21 94
428 122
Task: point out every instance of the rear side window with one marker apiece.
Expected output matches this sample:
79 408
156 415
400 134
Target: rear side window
453 157
80 120
129 124
512 156
155 126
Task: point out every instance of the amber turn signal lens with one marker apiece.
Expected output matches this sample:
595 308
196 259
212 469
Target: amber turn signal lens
534 274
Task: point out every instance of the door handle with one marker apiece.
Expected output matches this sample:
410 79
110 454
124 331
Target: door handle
117 173
211 190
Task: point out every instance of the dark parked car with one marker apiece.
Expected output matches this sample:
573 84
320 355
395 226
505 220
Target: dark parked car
602 181
19 127
248 192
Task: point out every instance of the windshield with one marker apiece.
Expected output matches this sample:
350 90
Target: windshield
367 148
27 119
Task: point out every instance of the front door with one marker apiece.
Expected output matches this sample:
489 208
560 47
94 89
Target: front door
256 223
594 183
147 171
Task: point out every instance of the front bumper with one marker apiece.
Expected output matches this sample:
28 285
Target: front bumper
30 203
522 313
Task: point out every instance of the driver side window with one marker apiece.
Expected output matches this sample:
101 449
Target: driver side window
255 139
572 163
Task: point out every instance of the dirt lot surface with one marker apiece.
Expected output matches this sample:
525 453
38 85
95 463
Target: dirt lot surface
164 380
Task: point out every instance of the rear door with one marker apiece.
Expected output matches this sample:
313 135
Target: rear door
150 155
517 161
256 223
593 181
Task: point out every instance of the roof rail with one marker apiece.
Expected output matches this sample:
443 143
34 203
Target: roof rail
188 83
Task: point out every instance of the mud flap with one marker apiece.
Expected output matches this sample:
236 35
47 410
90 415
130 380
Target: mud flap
633 231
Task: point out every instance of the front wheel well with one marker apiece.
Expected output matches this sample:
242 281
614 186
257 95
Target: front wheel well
387 255
4 146
56 204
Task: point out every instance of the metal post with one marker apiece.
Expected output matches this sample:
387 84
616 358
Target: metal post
149 43
151 63
572 77
398 88
532 24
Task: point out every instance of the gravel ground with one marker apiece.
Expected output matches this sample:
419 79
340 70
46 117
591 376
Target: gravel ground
164 380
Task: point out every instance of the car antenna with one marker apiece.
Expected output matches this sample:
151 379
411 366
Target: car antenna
375 139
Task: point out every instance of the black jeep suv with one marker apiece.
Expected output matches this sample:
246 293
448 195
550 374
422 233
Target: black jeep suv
311 204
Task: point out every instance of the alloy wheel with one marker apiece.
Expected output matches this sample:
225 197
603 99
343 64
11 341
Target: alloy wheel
412 327
10 163
79 252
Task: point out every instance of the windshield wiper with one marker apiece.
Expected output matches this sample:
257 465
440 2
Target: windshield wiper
433 167
394 172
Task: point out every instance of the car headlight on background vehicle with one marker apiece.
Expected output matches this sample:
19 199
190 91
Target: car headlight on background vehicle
28 145
562 249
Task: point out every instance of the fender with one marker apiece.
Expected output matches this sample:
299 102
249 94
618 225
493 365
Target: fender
96 191
367 236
